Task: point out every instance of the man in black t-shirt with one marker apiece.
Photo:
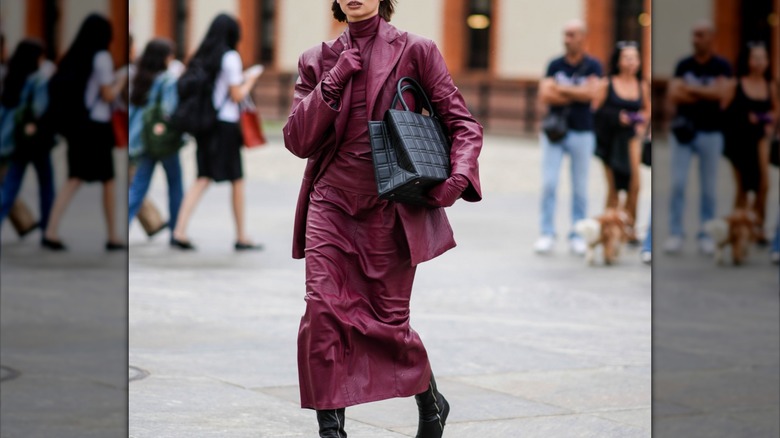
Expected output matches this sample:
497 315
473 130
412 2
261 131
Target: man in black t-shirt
698 89
568 89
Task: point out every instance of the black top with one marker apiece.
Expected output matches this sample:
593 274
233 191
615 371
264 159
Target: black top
742 137
706 115
612 137
580 115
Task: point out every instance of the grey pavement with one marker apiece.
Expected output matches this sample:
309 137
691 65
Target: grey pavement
716 338
63 323
521 345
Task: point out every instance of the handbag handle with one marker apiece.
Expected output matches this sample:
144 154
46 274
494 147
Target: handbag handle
415 87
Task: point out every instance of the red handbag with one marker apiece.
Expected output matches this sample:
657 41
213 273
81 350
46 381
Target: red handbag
120 124
251 125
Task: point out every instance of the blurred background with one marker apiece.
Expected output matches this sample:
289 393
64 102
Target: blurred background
497 50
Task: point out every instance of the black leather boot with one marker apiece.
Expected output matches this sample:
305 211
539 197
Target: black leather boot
434 410
331 423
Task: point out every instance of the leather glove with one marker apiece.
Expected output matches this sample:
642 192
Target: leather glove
446 193
336 79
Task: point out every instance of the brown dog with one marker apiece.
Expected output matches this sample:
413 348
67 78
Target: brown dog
608 230
738 230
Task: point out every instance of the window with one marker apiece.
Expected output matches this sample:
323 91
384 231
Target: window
627 20
266 34
478 21
179 17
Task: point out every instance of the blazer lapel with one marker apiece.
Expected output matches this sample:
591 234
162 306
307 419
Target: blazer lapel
388 47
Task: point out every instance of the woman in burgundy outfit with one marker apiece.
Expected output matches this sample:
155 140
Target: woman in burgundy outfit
355 344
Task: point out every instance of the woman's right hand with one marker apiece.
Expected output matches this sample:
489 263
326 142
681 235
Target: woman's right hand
348 64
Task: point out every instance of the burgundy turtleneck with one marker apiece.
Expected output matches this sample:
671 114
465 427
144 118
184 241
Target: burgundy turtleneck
352 168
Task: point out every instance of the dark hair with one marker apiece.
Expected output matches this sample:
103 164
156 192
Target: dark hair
93 36
614 61
223 35
386 10
21 65
743 61
149 65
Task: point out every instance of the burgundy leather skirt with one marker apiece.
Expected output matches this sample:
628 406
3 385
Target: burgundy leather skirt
355 344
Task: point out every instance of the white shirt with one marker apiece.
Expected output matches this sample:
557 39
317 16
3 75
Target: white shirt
102 75
230 73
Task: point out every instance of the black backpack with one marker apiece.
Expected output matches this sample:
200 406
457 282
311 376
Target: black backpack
195 112
67 113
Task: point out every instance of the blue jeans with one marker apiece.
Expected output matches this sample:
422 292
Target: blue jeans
776 241
143 178
709 147
13 183
580 146
647 245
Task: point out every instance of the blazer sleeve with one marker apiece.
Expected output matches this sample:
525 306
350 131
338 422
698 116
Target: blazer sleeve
311 117
465 132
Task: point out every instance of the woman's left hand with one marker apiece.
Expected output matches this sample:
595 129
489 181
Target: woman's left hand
446 193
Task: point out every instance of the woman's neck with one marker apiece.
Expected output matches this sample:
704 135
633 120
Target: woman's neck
366 27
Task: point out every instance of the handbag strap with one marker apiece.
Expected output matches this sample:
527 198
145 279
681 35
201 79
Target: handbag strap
414 86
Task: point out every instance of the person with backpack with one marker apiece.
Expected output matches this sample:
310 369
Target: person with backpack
24 140
148 214
209 92
81 93
153 97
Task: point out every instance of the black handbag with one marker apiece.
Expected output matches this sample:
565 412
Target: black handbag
683 129
410 150
555 125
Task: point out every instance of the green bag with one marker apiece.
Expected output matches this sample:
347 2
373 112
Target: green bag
159 136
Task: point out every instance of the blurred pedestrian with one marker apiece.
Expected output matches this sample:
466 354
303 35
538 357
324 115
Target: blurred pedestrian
355 343
82 91
698 89
154 84
568 88
148 215
219 150
24 141
752 110
623 100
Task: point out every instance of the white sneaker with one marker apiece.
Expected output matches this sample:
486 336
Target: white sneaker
775 258
577 246
647 257
673 245
544 245
706 245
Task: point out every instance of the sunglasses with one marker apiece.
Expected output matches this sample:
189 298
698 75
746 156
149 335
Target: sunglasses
625 44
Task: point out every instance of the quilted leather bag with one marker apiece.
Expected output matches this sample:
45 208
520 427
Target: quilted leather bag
410 150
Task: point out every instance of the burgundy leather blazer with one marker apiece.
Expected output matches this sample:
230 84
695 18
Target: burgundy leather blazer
314 129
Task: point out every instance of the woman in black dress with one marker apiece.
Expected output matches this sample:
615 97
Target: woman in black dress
86 74
751 112
621 123
219 151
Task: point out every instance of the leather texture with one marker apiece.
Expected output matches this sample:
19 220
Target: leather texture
433 411
331 423
411 153
315 128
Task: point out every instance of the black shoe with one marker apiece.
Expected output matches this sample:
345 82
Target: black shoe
112 246
248 246
29 230
434 410
52 245
184 245
331 423
157 231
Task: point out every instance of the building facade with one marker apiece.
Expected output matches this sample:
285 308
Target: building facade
496 49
